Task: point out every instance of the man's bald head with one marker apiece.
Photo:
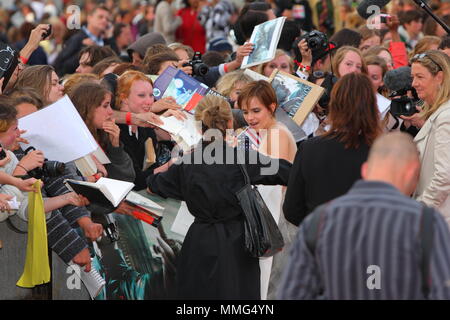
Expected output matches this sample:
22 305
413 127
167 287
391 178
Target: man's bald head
396 146
393 158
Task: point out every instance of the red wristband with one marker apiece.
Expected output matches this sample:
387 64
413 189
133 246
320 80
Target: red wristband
225 67
128 118
23 59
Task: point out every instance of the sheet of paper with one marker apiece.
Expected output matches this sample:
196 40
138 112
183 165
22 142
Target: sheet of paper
58 131
183 220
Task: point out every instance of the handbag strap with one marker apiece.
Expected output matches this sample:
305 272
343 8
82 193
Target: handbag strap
245 174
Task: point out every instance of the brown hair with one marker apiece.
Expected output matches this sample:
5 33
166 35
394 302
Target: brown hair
8 114
104 64
155 49
353 111
153 63
126 66
424 45
97 54
377 61
38 77
339 57
261 90
26 95
214 113
75 79
87 97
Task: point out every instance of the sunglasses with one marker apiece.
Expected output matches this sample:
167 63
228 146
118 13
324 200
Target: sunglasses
421 56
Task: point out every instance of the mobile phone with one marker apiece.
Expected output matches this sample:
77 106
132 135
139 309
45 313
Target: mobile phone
47 33
383 18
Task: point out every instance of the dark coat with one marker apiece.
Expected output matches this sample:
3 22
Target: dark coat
135 148
213 263
323 169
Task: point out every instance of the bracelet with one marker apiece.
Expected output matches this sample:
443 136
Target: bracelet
302 67
128 119
96 176
23 59
19 165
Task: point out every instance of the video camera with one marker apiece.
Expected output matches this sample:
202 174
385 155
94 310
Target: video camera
198 67
404 106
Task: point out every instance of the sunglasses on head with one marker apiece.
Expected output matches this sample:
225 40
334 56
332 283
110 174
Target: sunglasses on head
421 56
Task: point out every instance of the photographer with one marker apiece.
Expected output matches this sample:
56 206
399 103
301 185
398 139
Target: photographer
314 66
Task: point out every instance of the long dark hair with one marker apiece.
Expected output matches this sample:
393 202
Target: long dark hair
353 111
87 97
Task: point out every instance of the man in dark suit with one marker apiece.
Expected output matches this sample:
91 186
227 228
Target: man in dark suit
93 33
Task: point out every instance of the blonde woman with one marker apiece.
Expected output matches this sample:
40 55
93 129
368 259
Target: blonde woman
282 62
230 85
431 79
347 60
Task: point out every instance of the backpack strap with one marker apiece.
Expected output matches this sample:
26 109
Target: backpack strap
426 240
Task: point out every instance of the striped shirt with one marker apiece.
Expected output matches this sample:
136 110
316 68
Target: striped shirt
368 248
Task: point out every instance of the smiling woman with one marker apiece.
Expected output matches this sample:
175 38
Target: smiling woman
44 80
431 79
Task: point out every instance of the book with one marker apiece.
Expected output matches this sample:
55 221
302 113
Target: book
297 97
145 209
186 132
265 38
92 280
105 192
175 83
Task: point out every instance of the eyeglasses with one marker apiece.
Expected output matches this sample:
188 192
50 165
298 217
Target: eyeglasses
420 56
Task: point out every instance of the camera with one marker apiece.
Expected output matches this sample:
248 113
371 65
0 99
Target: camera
404 106
50 169
316 40
2 153
198 67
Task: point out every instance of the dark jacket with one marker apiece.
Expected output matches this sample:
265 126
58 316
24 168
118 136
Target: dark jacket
213 263
67 60
323 169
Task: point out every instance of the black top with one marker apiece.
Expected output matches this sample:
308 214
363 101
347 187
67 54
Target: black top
136 150
323 169
213 263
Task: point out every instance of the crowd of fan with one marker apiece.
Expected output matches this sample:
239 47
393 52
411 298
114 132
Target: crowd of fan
103 66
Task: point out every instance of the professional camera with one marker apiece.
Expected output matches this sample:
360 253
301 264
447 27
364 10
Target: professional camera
50 169
404 106
316 40
198 67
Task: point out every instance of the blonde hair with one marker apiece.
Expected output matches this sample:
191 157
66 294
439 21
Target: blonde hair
124 83
214 113
339 57
424 45
436 61
278 53
75 79
228 81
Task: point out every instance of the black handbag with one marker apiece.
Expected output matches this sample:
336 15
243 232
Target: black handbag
262 236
